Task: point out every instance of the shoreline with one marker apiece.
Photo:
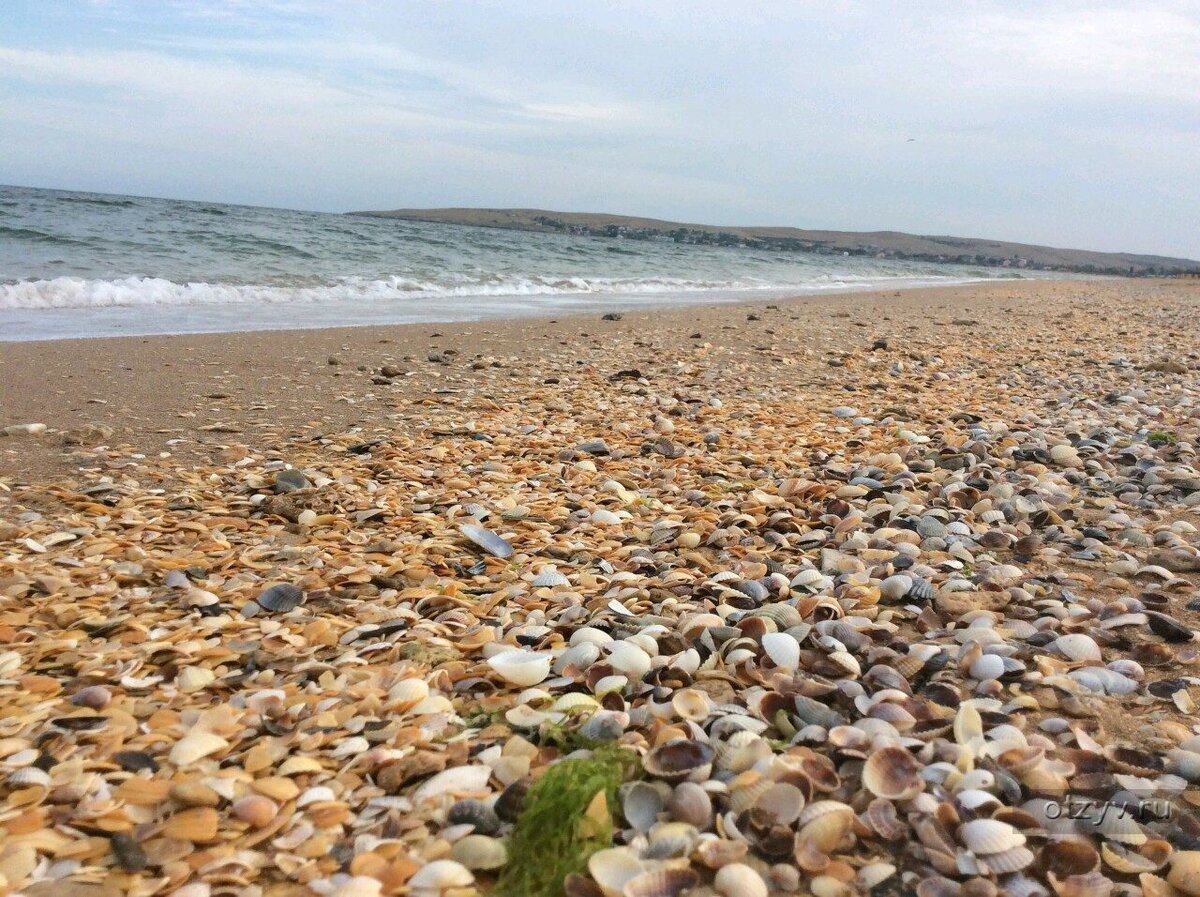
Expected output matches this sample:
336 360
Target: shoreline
206 318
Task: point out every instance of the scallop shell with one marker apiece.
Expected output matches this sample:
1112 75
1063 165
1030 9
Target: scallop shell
988 836
783 649
661 883
281 597
1077 646
487 540
825 824
523 668
550 578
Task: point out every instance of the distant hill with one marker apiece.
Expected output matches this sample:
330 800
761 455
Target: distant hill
879 244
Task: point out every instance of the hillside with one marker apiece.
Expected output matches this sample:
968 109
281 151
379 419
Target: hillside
881 244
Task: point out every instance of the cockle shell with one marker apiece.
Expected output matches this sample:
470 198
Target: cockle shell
439 876
892 773
739 880
987 836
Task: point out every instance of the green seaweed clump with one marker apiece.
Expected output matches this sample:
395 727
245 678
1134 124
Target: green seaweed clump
567 816
1161 437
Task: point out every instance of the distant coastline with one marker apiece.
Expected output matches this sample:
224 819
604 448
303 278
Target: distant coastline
877 244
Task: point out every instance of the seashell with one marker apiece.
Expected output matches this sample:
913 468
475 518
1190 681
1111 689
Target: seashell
281 597
629 660
691 704
1077 646
739 880
882 818
641 803
487 540
988 836
1185 872
479 853
523 668
550 578
482 818
456 780
255 810
895 587
95 697
715 852
815 713
741 751
661 883
690 803
783 649
355 886
28 777
784 615
193 679
440 875
1093 884
782 803
746 788
407 693
1125 861
1067 857
680 759
825 823
613 868
892 773
1184 763
1009 861
668 840
195 746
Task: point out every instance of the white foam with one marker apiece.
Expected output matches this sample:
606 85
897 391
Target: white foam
76 292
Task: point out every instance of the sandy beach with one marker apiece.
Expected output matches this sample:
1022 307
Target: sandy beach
790 584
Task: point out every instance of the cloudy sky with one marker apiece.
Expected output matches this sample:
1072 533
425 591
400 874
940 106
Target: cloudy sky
1065 123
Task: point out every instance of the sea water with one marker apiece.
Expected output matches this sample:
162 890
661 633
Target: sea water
83 264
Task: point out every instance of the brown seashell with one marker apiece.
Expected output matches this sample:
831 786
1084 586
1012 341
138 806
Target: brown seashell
881 817
680 759
1066 857
661 883
255 810
715 853
196 824
893 774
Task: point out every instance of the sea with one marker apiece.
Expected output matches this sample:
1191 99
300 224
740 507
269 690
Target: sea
89 265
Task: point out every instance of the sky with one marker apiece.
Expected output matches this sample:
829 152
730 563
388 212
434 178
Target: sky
1064 123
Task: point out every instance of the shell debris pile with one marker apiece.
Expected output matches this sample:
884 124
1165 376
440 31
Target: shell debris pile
907 620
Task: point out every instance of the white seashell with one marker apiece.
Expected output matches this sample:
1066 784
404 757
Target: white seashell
550 578
783 650
986 836
316 794
610 684
357 886
605 518
440 875
629 660
590 634
613 868
522 668
579 656
895 587
487 540
196 746
456 780
987 666
739 880
193 679
408 693
1077 646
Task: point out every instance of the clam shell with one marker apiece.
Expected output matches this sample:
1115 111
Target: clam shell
1077 646
641 802
479 852
739 880
690 803
680 759
441 875
487 540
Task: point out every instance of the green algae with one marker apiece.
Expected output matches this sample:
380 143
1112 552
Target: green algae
564 821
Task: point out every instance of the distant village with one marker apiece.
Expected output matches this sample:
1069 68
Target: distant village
791 244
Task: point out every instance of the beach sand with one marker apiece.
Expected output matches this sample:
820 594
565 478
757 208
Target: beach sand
678 510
